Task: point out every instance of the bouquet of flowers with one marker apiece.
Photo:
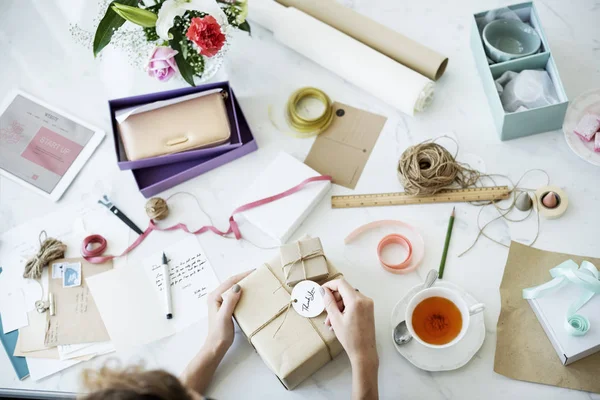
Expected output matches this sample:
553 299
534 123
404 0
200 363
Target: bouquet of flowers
187 34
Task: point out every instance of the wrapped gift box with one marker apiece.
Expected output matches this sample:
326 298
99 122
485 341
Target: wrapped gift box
523 123
303 260
280 219
551 311
293 348
128 102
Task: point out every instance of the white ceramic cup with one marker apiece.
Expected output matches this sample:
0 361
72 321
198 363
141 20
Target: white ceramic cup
455 298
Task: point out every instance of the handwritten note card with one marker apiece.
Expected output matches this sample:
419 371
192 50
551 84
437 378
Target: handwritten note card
191 276
133 307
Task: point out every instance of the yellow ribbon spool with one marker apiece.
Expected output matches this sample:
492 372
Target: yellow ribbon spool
308 127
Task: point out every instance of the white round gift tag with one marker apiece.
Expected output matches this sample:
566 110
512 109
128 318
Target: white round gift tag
307 299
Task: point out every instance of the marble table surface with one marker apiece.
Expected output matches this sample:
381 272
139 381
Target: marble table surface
39 55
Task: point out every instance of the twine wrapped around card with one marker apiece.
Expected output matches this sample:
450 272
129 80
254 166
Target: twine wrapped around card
50 249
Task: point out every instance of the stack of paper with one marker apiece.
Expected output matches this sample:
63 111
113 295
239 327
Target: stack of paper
76 333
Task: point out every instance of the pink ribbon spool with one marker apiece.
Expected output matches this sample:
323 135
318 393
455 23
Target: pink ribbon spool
404 266
415 248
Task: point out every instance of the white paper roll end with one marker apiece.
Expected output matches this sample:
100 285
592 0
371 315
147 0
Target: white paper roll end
425 97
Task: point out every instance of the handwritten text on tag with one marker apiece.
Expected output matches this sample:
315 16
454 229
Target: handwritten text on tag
307 299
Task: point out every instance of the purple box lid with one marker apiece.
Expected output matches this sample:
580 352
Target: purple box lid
118 104
154 180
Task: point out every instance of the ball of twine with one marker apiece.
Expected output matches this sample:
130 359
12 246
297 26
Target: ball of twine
50 249
427 168
157 208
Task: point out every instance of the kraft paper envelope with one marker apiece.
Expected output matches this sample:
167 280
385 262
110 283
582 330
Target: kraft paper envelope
301 345
51 353
31 337
342 151
523 351
77 319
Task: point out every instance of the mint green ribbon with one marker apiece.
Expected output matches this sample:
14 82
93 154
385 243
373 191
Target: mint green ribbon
587 276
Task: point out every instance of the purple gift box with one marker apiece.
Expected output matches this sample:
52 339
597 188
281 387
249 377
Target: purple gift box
154 180
199 154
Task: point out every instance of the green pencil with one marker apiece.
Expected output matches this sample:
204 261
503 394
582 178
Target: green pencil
448 236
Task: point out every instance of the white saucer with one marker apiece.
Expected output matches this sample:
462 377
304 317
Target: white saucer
587 102
446 359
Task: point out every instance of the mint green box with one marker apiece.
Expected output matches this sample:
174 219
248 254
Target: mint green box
523 123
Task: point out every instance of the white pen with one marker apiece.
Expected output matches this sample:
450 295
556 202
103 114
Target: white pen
167 283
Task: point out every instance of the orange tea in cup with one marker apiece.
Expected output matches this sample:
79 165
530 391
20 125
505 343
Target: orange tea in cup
437 320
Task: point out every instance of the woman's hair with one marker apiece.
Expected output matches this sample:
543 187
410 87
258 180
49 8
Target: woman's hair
132 383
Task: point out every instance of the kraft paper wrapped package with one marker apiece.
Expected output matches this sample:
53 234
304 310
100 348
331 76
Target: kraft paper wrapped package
293 348
387 41
303 260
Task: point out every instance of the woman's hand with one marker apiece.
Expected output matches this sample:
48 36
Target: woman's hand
221 303
352 317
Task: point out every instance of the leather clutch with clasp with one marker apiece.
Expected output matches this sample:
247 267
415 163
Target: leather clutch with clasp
192 124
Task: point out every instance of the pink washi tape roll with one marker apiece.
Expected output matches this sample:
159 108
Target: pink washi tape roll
414 247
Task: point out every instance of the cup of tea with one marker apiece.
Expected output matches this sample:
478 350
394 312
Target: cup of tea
439 317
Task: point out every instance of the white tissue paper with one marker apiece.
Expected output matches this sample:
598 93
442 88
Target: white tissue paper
521 91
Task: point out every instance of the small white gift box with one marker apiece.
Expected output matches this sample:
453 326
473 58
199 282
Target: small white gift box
557 300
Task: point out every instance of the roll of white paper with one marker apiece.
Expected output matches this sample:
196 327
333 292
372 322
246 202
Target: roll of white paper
390 81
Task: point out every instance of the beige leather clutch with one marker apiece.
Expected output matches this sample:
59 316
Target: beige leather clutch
192 124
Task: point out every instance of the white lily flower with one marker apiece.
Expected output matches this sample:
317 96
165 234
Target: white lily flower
176 8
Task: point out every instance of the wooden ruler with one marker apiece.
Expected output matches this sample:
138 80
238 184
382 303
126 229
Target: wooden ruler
400 198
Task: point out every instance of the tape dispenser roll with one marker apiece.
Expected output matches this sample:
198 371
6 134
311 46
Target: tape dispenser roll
562 202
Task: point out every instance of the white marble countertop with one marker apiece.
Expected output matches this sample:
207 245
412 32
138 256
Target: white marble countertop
39 56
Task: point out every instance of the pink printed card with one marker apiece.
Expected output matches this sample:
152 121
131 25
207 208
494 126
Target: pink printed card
52 151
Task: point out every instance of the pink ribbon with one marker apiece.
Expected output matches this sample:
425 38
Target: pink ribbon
94 255
415 248
401 267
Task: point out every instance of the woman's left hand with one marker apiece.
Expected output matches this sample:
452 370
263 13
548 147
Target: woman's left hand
221 303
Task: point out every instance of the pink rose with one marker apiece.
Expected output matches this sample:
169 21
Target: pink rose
162 64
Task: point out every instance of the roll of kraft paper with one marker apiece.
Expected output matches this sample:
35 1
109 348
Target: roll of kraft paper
406 51
357 63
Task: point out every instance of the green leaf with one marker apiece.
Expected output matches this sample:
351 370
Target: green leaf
138 16
108 25
245 26
185 69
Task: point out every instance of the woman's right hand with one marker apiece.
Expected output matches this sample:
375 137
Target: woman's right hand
351 315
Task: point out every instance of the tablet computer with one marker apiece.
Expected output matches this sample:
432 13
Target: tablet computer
42 147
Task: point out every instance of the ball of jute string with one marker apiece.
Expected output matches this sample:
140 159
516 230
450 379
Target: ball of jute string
157 208
50 249
427 168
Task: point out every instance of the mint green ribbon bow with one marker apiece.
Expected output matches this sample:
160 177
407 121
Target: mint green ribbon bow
587 276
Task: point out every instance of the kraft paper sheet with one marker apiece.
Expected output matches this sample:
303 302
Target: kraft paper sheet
297 350
342 151
387 41
523 351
